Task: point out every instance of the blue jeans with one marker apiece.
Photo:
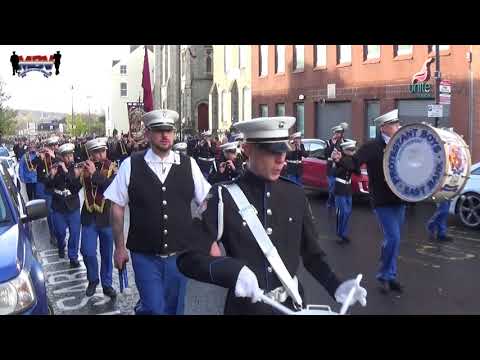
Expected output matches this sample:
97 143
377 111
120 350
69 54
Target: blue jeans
391 219
72 221
295 178
439 219
343 203
88 249
331 194
160 285
42 194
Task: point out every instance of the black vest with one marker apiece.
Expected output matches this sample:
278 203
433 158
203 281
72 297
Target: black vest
160 214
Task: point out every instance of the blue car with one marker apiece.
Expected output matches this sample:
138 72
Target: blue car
22 281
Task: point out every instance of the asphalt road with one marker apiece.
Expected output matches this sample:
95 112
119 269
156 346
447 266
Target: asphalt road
438 278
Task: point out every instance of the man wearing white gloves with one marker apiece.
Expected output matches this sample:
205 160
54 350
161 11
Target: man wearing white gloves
266 226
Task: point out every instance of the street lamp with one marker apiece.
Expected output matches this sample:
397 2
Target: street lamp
89 115
72 114
438 77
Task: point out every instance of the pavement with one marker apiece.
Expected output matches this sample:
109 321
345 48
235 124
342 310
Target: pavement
438 278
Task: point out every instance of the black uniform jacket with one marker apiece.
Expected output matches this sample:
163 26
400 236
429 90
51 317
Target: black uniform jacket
295 155
328 153
62 181
371 153
343 170
283 208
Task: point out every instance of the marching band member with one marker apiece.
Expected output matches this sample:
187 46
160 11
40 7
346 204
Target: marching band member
44 163
437 225
343 189
206 154
63 178
98 173
261 194
230 168
294 159
388 207
159 186
27 171
334 143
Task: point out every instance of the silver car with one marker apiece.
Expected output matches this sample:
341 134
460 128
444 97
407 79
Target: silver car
467 205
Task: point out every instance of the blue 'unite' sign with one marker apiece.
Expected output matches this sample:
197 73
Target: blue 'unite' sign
411 191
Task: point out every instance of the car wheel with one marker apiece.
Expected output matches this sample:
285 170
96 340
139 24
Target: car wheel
469 210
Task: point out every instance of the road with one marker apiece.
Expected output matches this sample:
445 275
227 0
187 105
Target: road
438 278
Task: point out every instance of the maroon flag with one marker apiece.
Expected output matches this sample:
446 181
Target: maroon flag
147 87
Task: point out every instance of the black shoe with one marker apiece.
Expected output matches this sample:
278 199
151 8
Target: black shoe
91 288
343 241
395 286
110 291
74 264
61 253
444 238
384 288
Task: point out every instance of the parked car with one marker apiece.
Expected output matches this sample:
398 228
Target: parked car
315 169
467 204
22 280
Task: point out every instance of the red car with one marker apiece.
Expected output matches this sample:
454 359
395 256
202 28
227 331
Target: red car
315 169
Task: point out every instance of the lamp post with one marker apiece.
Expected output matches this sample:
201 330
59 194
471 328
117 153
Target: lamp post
72 113
89 115
438 77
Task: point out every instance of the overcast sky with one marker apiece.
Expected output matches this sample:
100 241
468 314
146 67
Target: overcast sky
86 67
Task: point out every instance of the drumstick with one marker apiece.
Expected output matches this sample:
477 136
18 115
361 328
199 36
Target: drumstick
276 305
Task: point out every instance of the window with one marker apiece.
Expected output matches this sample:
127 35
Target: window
344 54
320 54
224 106
300 116
280 109
208 61
403 50
371 52
298 57
123 89
263 60
123 69
476 171
242 56
431 48
184 58
227 57
247 104
279 59
372 111
263 110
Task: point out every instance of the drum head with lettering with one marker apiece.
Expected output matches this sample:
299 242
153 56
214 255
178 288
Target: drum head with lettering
415 162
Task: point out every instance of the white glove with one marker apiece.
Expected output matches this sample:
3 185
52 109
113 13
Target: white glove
343 290
247 285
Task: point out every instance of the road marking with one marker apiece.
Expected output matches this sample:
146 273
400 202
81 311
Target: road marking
416 261
116 312
457 253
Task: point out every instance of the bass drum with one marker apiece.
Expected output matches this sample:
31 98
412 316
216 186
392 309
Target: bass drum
422 162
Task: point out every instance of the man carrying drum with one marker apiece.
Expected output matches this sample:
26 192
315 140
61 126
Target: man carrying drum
388 207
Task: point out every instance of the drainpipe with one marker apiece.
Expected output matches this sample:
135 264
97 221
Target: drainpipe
471 104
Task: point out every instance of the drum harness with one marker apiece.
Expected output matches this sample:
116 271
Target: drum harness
249 215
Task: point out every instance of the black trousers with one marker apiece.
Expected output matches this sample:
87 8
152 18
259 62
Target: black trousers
31 193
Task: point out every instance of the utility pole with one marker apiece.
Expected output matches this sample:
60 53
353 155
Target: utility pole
438 78
179 79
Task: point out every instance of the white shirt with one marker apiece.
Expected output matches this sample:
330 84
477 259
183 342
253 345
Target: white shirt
118 189
386 138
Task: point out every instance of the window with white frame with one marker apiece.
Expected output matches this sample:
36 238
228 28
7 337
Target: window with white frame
225 107
280 109
123 89
123 69
242 56
298 57
279 59
247 104
372 52
263 110
320 52
403 50
263 60
227 58
344 54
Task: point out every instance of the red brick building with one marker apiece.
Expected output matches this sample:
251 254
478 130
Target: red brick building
323 85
